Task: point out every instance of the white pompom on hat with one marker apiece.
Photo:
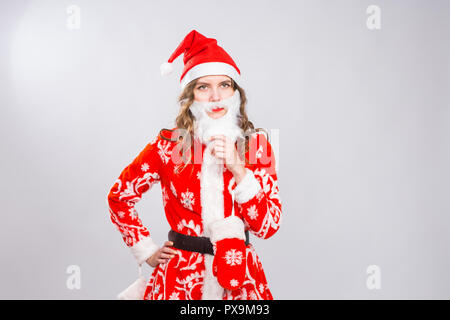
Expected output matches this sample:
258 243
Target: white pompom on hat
166 68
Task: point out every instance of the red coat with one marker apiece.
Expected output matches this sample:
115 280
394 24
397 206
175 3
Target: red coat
255 200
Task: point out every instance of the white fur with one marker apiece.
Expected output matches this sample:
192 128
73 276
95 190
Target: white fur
166 68
212 290
135 291
211 188
210 68
228 124
247 188
230 227
211 178
144 249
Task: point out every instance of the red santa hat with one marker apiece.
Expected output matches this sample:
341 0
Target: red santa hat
202 57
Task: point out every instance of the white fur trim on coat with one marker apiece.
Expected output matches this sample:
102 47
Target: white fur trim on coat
230 227
212 290
211 195
144 249
247 188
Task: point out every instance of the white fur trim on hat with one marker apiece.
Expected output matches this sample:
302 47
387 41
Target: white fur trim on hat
247 188
210 68
230 227
144 249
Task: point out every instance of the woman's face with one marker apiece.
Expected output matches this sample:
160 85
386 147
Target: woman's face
211 89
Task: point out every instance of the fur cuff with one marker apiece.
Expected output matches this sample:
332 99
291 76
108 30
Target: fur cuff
144 249
230 227
135 291
247 188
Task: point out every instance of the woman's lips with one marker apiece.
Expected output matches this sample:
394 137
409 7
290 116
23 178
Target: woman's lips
216 109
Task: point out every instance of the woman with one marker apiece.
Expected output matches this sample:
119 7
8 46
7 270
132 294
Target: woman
218 182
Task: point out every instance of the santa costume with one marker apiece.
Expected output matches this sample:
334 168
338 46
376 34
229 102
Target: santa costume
202 203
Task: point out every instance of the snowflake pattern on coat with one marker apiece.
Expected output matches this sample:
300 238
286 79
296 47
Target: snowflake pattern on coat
187 199
182 277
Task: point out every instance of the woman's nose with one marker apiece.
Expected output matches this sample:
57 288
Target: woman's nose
215 96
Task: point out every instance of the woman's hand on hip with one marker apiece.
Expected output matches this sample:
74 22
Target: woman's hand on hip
163 255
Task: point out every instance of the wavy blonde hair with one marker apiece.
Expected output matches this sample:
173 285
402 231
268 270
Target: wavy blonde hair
185 122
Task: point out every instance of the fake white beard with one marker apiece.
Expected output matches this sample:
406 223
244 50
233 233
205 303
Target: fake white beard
228 124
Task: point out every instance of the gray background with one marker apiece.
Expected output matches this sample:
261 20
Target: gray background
363 118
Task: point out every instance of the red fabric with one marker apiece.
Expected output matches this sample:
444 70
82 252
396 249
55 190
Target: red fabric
182 277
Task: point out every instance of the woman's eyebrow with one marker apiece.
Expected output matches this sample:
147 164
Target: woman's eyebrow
202 83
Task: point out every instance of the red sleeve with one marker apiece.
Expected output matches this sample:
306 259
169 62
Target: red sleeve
257 194
134 180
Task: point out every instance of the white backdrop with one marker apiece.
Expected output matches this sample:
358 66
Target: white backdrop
358 91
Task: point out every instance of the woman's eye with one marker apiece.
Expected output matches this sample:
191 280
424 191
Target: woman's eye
225 85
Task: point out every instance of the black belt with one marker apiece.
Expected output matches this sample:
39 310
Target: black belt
194 243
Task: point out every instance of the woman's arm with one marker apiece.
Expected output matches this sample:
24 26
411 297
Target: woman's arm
257 193
137 178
